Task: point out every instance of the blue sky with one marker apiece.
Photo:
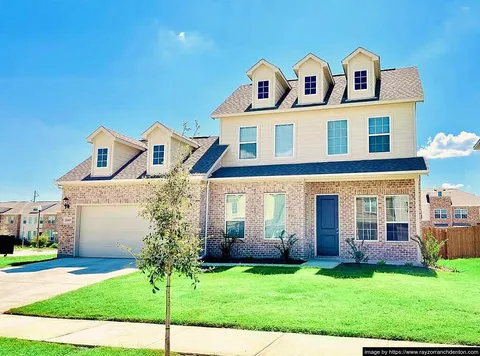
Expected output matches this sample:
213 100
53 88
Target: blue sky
67 67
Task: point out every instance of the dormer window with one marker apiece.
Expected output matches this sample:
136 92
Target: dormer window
263 89
158 154
360 80
102 157
311 85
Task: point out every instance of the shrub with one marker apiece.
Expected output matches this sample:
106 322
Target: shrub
54 245
381 263
286 245
408 264
358 251
430 249
42 241
226 245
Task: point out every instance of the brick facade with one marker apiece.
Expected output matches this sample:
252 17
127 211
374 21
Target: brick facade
445 202
113 194
10 228
300 214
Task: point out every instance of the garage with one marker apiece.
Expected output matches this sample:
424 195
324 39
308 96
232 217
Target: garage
103 227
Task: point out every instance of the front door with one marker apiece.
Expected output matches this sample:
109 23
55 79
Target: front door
327 225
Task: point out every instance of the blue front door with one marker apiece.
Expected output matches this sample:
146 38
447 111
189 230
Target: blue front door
327 225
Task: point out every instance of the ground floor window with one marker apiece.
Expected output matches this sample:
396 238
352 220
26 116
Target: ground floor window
397 217
440 213
235 215
366 218
461 214
274 214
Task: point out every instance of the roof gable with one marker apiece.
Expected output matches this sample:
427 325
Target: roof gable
115 136
311 56
362 51
178 136
269 65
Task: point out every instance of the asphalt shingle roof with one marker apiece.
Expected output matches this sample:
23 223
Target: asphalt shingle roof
201 159
341 167
125 138
395 84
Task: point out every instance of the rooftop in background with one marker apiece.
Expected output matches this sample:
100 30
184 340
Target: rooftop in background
458 197
28 207
396 85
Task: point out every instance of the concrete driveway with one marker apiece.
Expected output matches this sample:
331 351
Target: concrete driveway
42 280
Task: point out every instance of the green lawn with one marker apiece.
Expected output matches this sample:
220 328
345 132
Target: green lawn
17 347
22 260
403 303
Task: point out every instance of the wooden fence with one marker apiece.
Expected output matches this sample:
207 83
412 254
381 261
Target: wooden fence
461 241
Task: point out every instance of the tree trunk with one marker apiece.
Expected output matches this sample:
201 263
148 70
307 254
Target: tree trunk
167 315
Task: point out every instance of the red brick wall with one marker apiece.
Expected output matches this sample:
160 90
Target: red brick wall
10 228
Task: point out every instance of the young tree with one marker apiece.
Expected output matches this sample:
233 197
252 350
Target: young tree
173 244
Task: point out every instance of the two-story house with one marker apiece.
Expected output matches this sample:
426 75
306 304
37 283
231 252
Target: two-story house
326 157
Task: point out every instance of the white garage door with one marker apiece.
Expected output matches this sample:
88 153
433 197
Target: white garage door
103 227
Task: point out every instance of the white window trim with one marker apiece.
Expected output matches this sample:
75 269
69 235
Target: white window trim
400 222
461 213
153 155
390 134
264 224
240 143
440 213
316 84
353 76
274 141
96 158
355 210
269 89
348 139
244 218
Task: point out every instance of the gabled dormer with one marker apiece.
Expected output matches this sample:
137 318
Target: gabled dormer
164 146
362 70
268 84
111 151
314 79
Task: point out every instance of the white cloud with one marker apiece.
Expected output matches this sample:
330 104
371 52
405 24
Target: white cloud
446 146
172 43
451 186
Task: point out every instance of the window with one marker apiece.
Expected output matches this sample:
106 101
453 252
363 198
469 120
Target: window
102 157
337 137
34 233
439 193
461 214
284 140
9 219
24 220
51 219
35 220
6 219
248 142
263 89
274 214
158 154
440 213
366 218
360 80
29 219
29 235
235 215
379 134
397 217
41 219
311 85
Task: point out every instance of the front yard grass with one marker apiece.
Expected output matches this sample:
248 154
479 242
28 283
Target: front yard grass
10 261
404 303
17 347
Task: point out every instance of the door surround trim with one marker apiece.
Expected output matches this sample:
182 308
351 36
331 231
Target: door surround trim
315 222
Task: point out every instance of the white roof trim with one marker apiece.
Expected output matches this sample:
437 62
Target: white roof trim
311 56
114 138
178 136
274 68
362 50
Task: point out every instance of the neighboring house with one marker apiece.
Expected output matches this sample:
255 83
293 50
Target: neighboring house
20 218
326 157
449 207
477 145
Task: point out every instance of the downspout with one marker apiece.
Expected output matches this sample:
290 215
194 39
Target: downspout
206 220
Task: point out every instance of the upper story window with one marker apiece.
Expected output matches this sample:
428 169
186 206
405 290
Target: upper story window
29 219
248 142
102 157
311 85
235 215
461 214
379 134
439 193
360 77
440 213
24 220
366 218
263 89
41 219
397 217
51 219
158 154
284 140
274 214
337 136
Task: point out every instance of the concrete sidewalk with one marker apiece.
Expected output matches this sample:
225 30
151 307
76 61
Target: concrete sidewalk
185 339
